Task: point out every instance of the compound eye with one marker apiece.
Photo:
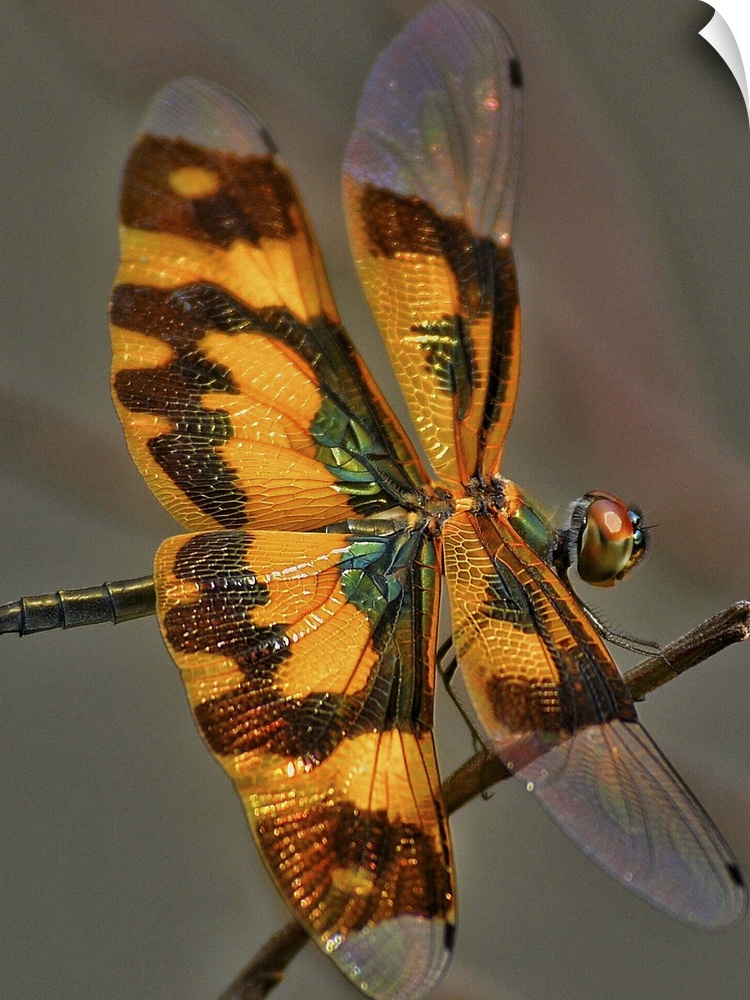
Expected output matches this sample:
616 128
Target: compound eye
611 539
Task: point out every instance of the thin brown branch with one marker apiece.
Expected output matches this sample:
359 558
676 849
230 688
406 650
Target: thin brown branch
472 778
266 970
705 640
484 770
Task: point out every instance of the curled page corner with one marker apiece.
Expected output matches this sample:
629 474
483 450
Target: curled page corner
731 46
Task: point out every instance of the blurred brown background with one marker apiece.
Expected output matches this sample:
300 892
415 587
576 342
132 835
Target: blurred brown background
126 869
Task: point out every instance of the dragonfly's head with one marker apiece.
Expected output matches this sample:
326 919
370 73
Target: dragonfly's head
606 538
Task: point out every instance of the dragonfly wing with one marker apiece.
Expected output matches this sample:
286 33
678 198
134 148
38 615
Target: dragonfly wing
557 712
242 399
308 660
615 794
429 185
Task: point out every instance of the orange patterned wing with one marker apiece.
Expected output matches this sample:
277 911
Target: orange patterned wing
429 184
309 666
243 400
560 716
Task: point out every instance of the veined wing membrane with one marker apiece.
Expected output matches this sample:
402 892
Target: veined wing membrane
308 660
429 184
243 401
561 718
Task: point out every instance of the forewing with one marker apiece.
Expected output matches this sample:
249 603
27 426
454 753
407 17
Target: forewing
243 401
308 661
429 184
613 791
560 716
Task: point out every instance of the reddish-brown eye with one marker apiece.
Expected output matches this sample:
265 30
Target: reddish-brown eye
610 540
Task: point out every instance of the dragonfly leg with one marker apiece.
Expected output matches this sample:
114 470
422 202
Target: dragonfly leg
447 664
646 647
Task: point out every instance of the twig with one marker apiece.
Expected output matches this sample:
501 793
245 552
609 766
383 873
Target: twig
484 770
705 640
266 970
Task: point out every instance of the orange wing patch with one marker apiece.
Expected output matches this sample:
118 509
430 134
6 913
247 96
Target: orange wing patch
535 667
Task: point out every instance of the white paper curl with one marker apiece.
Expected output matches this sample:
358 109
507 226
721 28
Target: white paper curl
732 43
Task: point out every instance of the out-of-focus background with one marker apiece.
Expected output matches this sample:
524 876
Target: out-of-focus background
126 869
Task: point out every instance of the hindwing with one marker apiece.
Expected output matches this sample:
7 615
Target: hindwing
243 400
308 661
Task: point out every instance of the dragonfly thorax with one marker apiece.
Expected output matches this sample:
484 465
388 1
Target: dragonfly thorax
488 495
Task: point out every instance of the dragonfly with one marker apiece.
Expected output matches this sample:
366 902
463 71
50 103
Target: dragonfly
301 606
